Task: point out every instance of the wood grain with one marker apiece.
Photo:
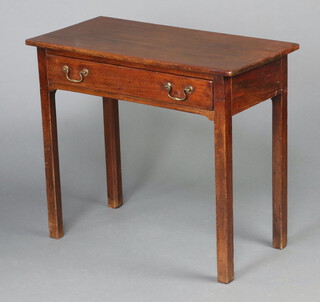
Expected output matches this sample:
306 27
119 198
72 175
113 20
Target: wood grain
112 150
207 113
50 139
129 81
279 162
146 44
132 61
223 175
132 64
255 86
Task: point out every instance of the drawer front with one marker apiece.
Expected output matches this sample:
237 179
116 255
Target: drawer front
125 81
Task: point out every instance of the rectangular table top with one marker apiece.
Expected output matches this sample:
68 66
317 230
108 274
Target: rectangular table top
148 44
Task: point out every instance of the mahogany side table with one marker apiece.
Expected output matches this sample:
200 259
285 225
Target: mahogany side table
211 74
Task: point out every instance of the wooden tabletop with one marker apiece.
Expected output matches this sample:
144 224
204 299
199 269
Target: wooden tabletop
148 44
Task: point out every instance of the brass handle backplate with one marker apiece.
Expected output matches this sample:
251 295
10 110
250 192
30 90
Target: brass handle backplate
83 73
187 90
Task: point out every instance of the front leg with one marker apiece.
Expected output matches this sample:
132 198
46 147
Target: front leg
223 174
279 163
50 140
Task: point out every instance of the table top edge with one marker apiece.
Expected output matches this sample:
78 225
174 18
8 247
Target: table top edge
122 59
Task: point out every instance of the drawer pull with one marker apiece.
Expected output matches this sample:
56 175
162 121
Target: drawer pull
83 73
187 90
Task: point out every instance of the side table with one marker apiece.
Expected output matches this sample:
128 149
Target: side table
211 74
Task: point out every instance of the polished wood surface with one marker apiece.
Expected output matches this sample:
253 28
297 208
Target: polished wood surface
148 45
255 86
112 149
130 81
223 174
51 156
280 162
132 61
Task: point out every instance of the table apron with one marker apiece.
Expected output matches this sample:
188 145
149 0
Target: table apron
126 81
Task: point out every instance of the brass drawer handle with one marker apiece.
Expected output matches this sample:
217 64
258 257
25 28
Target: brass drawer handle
83 73
187 90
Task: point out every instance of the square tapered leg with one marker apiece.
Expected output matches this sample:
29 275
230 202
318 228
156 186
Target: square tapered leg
50 140
112 149
279 163
223 175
